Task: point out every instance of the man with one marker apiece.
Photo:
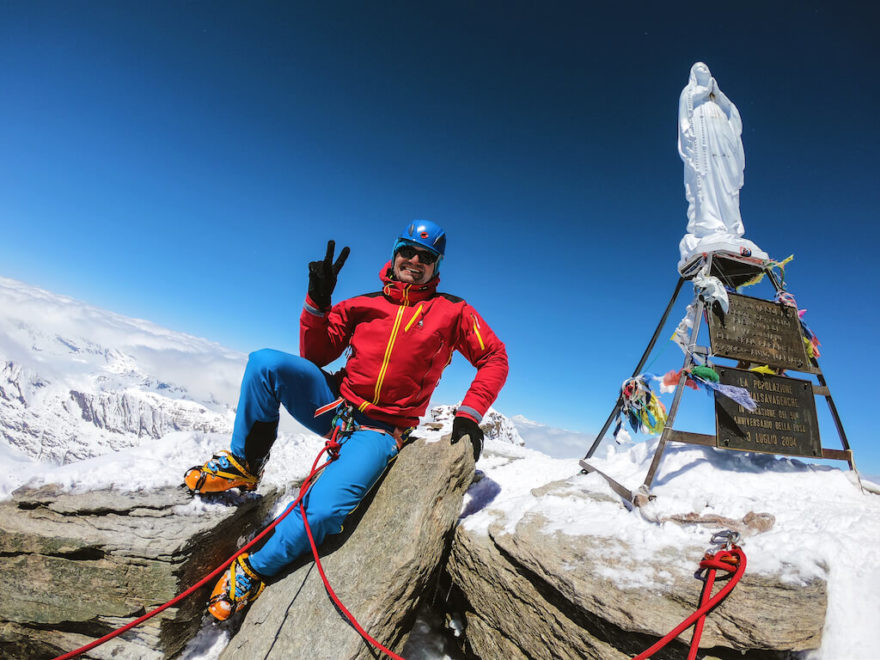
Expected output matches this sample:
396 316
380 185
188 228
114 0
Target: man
399 341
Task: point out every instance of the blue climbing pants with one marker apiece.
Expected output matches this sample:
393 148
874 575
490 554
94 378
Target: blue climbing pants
272 379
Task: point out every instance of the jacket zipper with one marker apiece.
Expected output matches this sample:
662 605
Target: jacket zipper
477 331
387 359
413 319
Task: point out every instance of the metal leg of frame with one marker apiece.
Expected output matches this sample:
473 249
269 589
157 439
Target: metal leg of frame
679 389
834 414
838 424
638 368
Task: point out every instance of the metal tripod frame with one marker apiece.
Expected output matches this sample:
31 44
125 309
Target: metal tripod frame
643 494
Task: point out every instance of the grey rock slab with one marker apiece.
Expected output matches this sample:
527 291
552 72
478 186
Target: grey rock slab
762 612
379 566
555 595
81 565
510 617
36 644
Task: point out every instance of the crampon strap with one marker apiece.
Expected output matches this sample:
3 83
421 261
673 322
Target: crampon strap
206 469
233 587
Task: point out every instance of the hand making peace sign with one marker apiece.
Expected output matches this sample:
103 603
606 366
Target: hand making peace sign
322 275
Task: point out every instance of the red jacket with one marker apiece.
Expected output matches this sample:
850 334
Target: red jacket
400 340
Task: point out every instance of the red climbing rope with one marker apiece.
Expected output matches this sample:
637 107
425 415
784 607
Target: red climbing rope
335 598
331 447
732 560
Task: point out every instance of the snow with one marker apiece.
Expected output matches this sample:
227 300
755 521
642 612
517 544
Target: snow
559 443
15 469
155 464
64 337
77 381
825 525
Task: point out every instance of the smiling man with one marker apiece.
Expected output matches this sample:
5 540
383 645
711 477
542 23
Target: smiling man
399 341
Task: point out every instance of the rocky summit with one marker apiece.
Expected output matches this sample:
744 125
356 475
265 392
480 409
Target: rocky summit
83 564
530 594
532 559
77 566
386 560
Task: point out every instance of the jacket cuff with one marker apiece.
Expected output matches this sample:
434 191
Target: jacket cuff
470 413
312 308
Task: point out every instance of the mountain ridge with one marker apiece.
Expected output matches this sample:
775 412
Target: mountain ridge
77 381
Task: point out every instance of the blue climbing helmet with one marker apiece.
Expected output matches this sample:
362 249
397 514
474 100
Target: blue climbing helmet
424 234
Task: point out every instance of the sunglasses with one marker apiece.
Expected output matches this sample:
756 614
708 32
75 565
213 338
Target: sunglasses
408 252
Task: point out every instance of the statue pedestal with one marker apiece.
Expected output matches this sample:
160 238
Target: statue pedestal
694 249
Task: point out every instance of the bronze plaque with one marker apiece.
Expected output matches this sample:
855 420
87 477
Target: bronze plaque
760 332
784 423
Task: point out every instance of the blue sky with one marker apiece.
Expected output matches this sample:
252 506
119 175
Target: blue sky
182 162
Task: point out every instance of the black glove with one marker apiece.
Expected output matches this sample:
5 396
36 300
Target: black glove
462 426
322 275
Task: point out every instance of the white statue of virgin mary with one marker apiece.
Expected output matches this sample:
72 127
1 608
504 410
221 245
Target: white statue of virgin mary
710 144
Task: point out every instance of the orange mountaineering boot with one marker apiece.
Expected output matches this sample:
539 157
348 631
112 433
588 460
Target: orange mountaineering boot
239 587
223 472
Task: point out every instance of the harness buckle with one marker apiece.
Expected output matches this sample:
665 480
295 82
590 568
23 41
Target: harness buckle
344 418
344 424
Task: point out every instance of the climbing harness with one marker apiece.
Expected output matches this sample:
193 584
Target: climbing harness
729 558
343 425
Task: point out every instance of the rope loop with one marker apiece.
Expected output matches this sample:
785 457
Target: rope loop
730 559
332 446
343 425
723 560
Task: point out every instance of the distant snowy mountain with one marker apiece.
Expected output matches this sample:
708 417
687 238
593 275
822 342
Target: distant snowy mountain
520 431
558 443
77 381
495 425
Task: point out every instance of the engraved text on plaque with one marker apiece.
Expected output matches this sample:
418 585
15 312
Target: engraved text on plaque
760 332
784 422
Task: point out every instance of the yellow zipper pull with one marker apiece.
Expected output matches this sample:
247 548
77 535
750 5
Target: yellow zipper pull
413 319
